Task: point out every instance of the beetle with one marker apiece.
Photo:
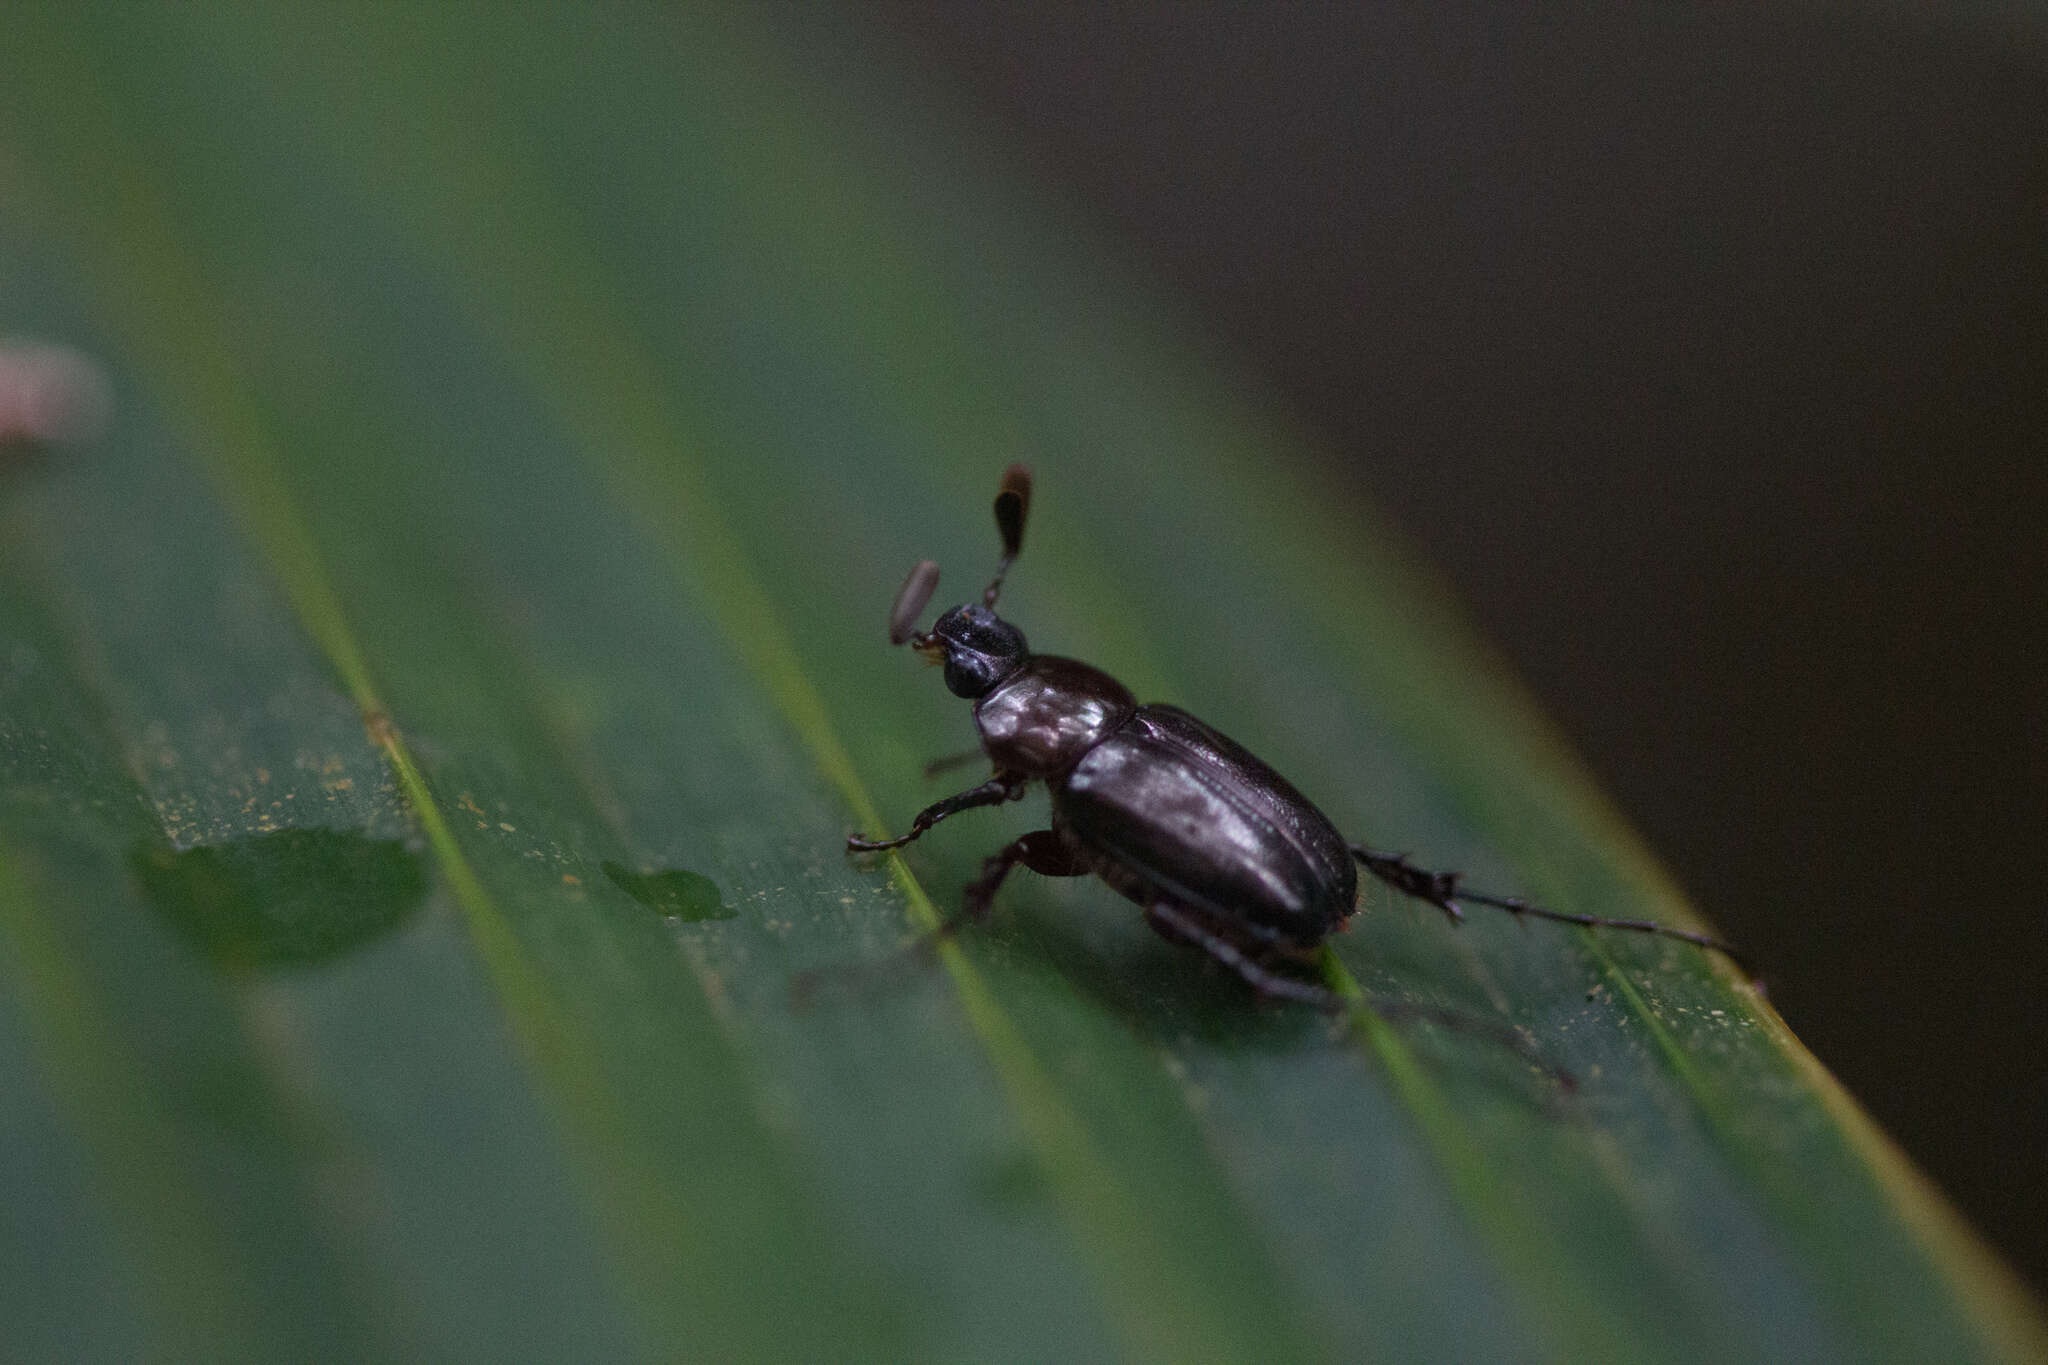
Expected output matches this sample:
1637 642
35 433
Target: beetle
1222 853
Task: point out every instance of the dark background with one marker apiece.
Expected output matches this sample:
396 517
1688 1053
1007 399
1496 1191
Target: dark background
1707 351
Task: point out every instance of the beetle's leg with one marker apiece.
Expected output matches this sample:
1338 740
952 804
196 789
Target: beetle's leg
1441 890
1183 926
1434 888
1258 941
1042 850
998 789
1178 924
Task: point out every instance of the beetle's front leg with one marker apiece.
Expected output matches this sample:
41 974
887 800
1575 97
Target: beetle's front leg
998 789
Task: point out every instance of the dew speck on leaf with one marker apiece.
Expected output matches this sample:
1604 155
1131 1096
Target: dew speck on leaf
674 892
290 898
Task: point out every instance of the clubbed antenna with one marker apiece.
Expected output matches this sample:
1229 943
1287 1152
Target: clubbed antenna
1013 503
917 590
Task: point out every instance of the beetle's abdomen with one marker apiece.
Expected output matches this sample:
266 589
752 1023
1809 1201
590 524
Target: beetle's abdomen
1190 814
1041 719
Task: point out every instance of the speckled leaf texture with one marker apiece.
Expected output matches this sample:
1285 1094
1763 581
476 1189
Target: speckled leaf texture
433 705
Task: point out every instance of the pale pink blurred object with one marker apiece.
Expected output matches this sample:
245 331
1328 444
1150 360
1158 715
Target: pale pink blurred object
49 394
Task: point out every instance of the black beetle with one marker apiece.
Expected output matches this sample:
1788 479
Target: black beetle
1221 851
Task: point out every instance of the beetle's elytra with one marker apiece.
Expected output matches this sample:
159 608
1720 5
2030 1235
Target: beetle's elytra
1222 852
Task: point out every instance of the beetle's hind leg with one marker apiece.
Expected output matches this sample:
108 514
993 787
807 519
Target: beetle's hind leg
1180 925
1442 890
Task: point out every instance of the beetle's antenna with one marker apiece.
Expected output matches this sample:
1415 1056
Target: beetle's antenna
1441 890
917 590
1013 501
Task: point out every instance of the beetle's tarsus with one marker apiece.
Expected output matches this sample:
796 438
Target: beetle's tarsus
1501 1035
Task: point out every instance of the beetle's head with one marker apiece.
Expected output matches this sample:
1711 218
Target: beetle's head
978 647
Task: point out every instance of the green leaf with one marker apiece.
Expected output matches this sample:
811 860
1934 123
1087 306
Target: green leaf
431 712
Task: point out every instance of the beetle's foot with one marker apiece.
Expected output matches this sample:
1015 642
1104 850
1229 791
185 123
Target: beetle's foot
859 843
976 902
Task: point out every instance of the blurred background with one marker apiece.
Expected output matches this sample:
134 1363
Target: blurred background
1706 351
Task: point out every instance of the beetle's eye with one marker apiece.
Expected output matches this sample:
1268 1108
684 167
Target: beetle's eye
970 673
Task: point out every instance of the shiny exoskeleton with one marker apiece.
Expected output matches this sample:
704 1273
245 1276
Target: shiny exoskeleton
1220 850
